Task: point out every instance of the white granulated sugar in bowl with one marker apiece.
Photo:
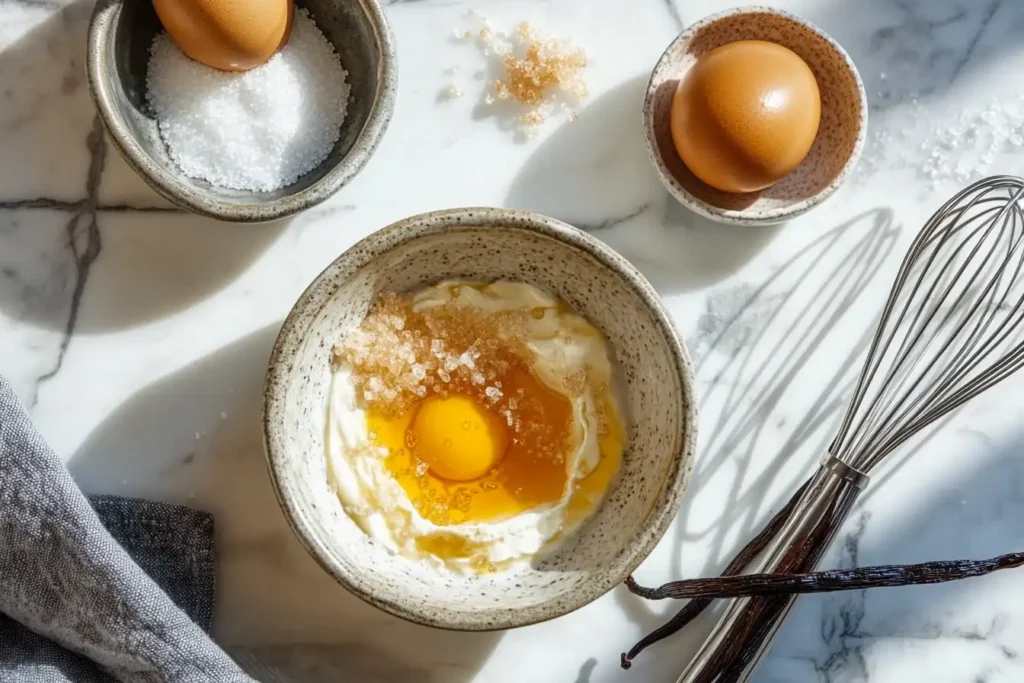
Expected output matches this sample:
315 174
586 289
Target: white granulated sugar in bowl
257 130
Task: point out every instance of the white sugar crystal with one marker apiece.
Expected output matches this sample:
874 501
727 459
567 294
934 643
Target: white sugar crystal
451 92
257 130
959 146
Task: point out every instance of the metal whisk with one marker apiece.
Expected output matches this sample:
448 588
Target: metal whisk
951 328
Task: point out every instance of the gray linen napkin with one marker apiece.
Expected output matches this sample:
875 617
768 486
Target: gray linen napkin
173 544
64 577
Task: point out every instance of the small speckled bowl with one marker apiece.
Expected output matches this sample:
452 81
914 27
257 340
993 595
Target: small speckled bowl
841 133
120 35
485 244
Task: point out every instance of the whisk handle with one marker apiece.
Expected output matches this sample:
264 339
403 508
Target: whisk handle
817 516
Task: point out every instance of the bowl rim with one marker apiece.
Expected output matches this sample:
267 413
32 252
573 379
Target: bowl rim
169 186
318 293
746 217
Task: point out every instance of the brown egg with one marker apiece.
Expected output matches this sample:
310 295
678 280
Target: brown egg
745 115
231 35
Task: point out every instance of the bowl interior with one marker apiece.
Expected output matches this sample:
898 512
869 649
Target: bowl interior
840 132
345 24
658 404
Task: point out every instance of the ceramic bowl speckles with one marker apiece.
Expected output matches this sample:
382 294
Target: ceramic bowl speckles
841 132
485 244
120 36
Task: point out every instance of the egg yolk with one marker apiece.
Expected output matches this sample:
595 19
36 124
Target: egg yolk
523 464
457 438
486 440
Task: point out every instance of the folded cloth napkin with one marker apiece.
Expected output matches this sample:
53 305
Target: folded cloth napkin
173 544
78 607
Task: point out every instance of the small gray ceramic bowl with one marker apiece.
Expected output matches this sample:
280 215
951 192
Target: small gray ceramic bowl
841 132
485 244
120 36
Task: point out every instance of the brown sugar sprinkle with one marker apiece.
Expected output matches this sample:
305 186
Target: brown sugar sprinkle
400 356
536 70
547 65
531 70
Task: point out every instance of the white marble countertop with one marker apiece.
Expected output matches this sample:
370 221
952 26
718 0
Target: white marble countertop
138 334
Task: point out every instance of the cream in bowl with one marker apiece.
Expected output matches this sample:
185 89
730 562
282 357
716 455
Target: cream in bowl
472 425
428 503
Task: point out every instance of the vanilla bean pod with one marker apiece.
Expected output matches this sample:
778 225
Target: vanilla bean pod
766 611
763 612
923 362
832 580
699 603
772 612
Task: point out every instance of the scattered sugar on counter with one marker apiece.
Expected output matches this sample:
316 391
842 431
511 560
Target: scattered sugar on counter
257 130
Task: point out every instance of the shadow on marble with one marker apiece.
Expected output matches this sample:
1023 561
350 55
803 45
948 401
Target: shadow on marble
775 333
86 246
910 50
155 264
586 670
120 269
47 112
594 173
360 663
959 630
951 631
776 360
194 438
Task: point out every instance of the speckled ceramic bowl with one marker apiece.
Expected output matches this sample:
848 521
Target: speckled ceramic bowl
841 133
485 244
120 36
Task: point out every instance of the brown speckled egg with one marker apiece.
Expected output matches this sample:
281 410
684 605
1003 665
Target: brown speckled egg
231 35
745 115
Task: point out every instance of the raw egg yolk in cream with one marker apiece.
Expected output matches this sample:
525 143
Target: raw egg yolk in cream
457 438
472 426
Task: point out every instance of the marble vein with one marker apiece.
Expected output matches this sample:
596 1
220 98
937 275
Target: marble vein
615 221
84 241
95 280
673 13
990 12
847 637
49 204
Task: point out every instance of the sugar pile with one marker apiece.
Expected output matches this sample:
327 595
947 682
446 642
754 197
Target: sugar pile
939 147
257 130
536 76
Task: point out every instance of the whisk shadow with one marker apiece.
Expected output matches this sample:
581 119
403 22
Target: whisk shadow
797 328
753 382
950 328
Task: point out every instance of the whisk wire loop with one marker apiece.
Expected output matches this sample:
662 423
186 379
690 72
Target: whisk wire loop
951 328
